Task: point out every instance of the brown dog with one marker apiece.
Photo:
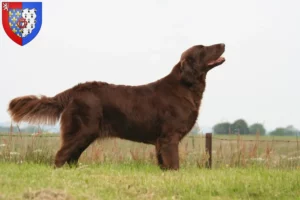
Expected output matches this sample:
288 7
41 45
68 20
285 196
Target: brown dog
159 113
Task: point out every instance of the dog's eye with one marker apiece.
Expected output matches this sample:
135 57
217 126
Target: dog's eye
190 60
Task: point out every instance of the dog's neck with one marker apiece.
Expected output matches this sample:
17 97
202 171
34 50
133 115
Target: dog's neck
195 91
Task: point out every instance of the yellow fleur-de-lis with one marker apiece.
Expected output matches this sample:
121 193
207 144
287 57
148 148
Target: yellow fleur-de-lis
14 19
10 13
18 13
10 24
14 30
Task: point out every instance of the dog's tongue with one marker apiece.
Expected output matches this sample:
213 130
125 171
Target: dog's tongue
216 61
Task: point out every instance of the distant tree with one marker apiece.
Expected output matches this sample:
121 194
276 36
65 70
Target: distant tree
278 132
30 129
195 130
257 127
222 128
288 131
291 129
7 129
27 129
240 126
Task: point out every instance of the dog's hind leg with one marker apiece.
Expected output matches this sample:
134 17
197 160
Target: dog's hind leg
79 128
71 149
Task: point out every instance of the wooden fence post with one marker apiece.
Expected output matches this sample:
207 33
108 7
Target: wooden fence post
208 148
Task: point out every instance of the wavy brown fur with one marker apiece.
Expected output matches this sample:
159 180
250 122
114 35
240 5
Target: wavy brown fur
38 110
160 113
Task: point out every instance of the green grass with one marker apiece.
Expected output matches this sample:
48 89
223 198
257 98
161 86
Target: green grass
146 181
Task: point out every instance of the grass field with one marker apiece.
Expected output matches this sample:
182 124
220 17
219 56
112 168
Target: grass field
244 167
145 181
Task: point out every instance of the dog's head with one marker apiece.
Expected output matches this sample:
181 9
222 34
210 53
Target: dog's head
198 60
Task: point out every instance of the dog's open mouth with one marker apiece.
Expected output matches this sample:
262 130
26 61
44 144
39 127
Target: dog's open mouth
219 61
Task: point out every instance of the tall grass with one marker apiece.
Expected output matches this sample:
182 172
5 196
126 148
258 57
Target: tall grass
228 151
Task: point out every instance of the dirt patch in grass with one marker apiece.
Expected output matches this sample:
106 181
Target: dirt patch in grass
47 194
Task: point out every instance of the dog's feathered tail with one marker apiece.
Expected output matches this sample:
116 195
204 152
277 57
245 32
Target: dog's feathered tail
38 110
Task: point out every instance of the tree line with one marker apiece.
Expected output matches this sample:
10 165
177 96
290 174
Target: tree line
15 129
240 126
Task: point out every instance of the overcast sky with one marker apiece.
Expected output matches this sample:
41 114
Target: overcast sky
136 42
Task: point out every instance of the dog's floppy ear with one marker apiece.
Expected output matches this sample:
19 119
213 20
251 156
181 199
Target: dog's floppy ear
187 72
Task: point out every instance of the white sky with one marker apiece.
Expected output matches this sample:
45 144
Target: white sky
136 42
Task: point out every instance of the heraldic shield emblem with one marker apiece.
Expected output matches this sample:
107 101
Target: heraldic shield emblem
22 21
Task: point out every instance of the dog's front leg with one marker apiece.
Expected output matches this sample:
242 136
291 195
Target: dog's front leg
167 152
